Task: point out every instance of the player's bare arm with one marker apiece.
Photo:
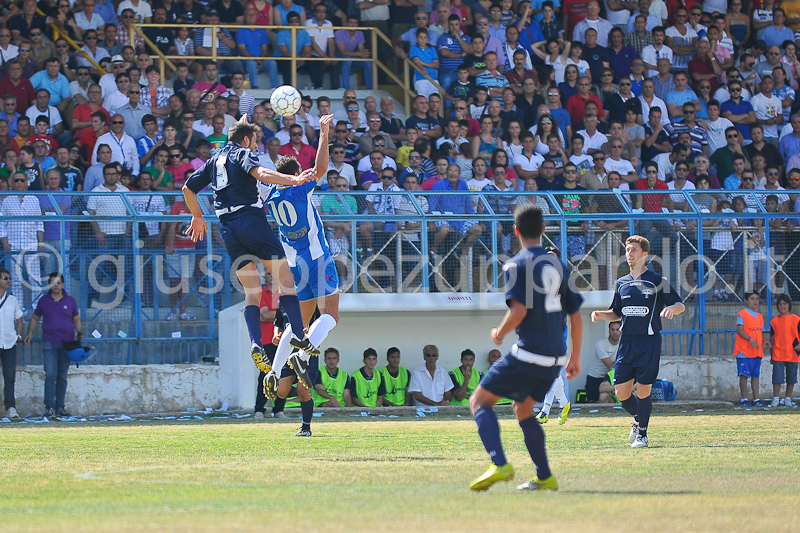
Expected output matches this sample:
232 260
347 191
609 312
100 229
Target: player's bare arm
198 227
511 321
609 315
266 175
673 310
576 336
321 161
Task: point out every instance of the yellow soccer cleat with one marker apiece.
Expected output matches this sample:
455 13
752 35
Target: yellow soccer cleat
260 358
271 386
492 475
562 418
540 484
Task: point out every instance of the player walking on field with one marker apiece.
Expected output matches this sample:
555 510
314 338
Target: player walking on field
641 300
310 261
539 298
233 174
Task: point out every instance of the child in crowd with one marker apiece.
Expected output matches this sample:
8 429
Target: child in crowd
785 343
748 348
412 134
478 108
462 88
584 162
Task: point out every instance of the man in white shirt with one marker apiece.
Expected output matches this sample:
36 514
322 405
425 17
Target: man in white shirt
10 335
595 22
451 135
322 41
649 99
26 238
658 50
769 110
666 162
715 127
593 139
42 107
381 204
430 383
598 385
123 146
337 163
616 163
119 97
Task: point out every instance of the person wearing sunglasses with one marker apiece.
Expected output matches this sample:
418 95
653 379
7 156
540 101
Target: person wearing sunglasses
299 149
337 163
380 204
10 334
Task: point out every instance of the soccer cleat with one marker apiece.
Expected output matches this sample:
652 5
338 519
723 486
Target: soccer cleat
542 417
634 432
260 358
540 484
271 385
492 475
744 402
562 418
758 403
301 370
304 431
775 402
11 413
640 442
304 344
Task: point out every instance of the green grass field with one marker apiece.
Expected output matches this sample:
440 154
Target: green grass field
720 472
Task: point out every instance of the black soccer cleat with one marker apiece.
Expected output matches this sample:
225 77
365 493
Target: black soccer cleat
305 345
300 368
271 385
305 431
260 358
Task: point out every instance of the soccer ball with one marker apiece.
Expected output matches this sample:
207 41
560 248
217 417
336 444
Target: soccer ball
285 100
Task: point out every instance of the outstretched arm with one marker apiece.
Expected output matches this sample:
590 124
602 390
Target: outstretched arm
321 162
266 175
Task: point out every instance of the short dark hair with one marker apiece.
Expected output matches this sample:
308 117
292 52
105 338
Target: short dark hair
528 220
59 275
393 349
289 165
241 130
467 352
370 351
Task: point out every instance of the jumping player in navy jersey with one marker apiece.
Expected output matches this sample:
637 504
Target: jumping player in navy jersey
641 300
540 298
311 263
234 174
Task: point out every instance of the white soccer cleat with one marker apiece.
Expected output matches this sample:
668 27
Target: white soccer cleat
640 442
634 432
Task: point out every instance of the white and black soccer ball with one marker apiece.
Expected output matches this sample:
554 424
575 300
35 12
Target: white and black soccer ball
285 100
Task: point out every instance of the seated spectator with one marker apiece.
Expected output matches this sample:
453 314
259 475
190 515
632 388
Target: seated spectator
367 388
42 125
430 383
465 379
380 204
724 157
457 204
665 164
396 379
332 387
769 109
225 45
123 147
599 386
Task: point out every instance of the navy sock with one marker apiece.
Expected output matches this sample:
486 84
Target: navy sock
645 409
252 317
489 432
278 405
308 411
291 305
631 404
534 440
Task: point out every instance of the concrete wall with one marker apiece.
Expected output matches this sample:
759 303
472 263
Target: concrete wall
131 389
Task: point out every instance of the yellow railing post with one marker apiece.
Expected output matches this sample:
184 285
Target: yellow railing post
373 63
294 56
406 86
214 45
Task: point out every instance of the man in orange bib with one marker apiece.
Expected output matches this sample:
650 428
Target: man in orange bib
748 347
785 331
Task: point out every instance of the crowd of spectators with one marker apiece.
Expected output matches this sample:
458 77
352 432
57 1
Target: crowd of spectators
539 96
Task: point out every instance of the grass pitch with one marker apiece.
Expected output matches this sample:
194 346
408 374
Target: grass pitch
727 471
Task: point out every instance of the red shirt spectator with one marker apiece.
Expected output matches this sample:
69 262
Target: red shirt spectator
305 154
269 300
23 90
83 113
179 174
652 203
51 143
576 11
700 65
576 107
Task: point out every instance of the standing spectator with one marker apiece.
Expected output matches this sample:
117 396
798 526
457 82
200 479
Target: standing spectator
738 110
424 57
682 39
595 22
769 110
10 335
653 53
641 37
225 45
351 43
123 147
777 33
61 322
747 348
785 332
283 45
453 47
53 236
598 382
465 379
23 238
430 384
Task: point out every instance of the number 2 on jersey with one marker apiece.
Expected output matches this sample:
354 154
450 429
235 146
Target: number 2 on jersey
551 282
284 213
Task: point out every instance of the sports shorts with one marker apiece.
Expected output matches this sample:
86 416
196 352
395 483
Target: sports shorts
784 372
638 358
593 387
511 378
749 366
314 278
249 235
313 370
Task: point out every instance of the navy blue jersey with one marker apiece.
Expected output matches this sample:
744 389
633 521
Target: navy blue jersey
639 302
539 281
228 173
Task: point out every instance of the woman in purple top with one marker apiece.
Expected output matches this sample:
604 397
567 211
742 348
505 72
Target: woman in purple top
61 322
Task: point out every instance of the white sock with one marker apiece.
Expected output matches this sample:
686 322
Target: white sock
560 394
320 329
283 351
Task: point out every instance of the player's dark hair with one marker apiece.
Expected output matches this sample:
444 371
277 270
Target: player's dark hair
331 350
393 349
370 351
239 131
785 299
529 221
289 165
60 276
467 352
747 295
641 241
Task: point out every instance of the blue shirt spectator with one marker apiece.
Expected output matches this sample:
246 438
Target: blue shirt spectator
428 55
252 40
203 38
285 38
790 145
458 204
411 37
680 97
449 65
531 33
58 88
620 62
775 37
537 4
741 108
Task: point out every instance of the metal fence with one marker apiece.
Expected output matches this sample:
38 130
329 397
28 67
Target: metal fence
153 298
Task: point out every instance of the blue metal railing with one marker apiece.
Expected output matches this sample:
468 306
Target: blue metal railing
135 329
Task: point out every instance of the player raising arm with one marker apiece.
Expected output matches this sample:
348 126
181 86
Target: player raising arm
310 261
641 300
539 297
233 174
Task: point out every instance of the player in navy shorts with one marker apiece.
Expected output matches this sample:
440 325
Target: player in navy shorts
539 297
310 260
641 300
234 174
